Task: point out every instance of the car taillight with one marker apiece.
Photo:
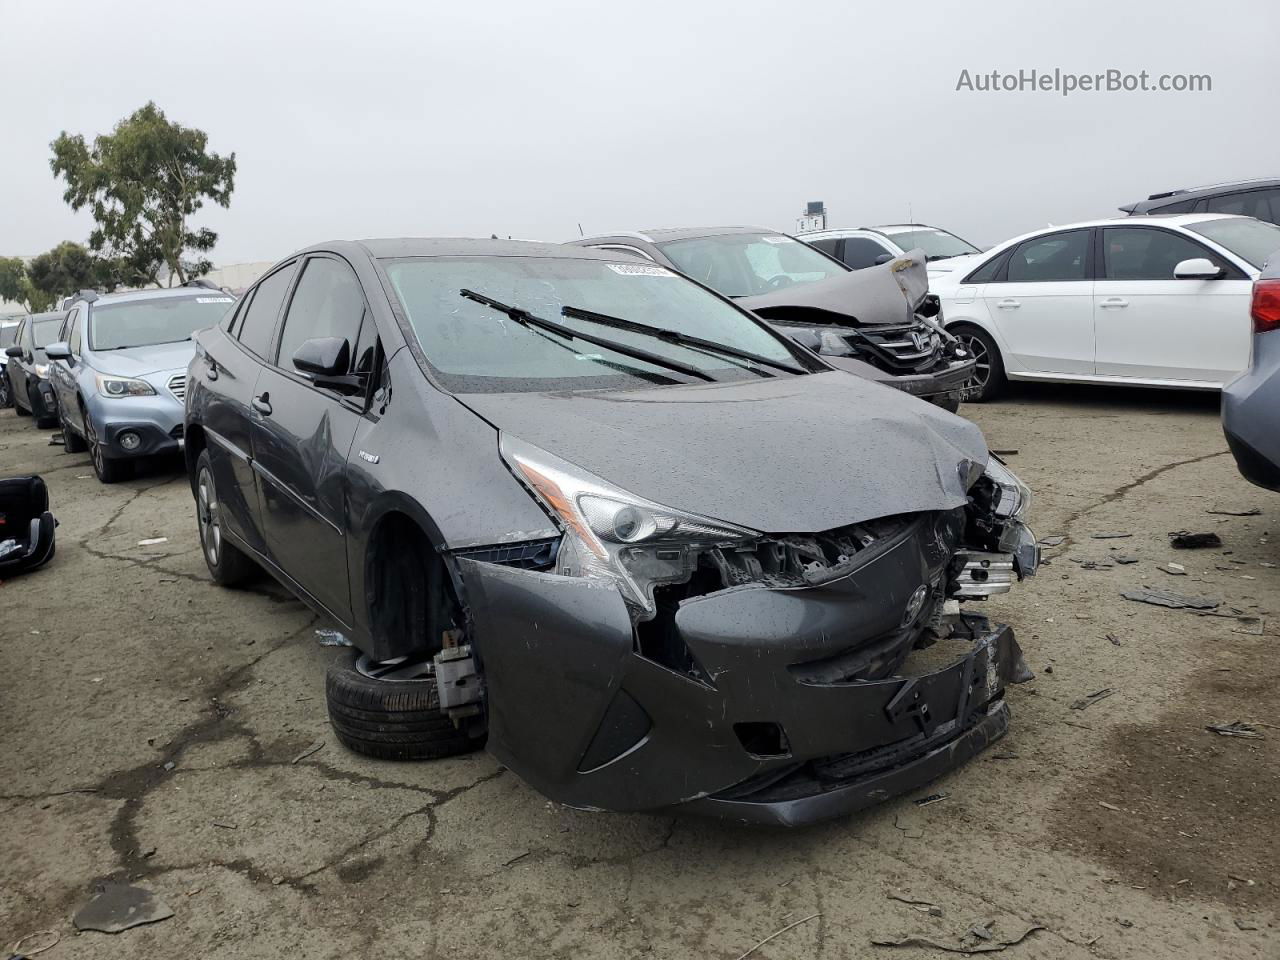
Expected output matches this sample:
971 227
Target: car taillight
1266 305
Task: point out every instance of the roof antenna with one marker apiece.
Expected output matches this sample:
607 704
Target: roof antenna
911 217
580 231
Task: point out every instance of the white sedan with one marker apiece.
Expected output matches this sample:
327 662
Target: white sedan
1158 301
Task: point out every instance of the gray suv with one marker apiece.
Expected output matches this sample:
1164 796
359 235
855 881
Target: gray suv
119 372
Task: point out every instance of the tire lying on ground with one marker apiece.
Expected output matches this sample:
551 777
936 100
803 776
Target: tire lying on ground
390 719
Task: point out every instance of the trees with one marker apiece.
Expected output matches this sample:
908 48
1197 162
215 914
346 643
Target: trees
13 274
64 270
143 181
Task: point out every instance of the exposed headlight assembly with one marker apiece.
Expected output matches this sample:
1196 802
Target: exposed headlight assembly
614 535
124 387
42 370
1015 496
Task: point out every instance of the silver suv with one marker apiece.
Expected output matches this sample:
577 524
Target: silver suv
119 372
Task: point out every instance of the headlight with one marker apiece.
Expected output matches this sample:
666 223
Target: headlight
614 535
1015 496
124 387
42 370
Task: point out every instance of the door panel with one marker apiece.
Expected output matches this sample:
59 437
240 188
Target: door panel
1152 326
227 426
1042 304
301 439
303 434
1173 329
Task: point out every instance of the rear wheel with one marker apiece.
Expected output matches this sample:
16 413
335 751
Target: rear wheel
988 380
227 564
391 710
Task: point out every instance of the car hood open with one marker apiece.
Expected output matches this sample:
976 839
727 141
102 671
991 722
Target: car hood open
140 361
784 455
888 293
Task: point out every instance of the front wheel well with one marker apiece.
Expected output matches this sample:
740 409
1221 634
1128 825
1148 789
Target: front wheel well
409 596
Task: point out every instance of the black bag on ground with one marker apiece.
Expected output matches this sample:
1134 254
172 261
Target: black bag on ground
26 525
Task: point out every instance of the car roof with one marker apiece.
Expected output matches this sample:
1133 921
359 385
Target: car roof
1169 219
667 234
881 228
1157 200
392 248
162 293
51 315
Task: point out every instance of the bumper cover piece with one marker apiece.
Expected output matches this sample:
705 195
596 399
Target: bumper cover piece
580 714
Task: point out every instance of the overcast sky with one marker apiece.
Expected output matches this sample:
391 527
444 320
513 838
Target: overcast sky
430 118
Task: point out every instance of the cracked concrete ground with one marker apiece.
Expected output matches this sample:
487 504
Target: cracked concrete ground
1125 829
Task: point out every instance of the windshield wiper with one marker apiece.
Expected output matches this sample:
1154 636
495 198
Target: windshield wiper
675 336
526 318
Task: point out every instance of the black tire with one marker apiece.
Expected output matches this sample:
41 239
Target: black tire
390 720
72 442
228 565
17 407
989 381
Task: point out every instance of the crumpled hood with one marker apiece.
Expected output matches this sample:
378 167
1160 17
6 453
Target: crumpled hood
140 361
888 293
785 455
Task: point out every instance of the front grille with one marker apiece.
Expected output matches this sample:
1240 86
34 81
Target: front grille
178 386
899 348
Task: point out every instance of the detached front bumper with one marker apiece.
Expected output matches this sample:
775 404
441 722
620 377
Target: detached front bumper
942 382
805 703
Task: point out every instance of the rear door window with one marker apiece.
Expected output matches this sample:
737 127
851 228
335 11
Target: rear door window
327 302
259 323
1252 203
1059 256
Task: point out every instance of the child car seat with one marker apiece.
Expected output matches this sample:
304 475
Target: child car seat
26 525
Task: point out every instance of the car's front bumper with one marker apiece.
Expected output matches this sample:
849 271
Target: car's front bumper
944 382
156 421
578 711
44 405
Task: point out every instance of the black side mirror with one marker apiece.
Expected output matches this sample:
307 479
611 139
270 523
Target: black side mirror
882 259
327 360
14 351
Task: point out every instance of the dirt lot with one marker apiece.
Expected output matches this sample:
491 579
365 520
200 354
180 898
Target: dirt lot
151 726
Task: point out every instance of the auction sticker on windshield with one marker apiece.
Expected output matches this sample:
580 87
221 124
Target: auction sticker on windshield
215 299
639 270
777 240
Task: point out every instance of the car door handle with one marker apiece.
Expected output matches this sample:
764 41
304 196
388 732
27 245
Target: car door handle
1008 304
1114 302
262 403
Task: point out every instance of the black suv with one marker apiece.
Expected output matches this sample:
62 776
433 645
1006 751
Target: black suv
1246 198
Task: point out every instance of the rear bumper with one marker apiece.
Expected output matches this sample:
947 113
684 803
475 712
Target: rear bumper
1250 411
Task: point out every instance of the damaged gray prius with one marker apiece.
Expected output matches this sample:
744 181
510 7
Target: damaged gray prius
652 552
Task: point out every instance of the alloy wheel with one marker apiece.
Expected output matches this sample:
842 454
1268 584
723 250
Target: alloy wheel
981 376
95 449
208 517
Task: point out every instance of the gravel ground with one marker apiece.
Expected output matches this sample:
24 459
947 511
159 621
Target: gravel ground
150 723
